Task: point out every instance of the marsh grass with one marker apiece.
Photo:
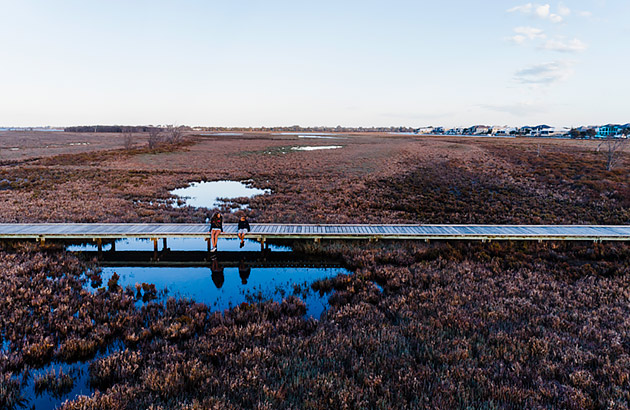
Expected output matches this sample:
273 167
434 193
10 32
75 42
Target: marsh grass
507 325
55 382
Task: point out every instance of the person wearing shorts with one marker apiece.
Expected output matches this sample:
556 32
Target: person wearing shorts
216 227
243 228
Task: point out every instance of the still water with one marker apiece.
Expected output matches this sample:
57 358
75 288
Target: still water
221 287
213 194
178 244
316 148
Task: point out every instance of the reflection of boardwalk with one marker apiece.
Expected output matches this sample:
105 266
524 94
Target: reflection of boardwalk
261 232
229 259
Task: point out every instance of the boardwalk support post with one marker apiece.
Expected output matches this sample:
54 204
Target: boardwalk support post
209 243
164 247
113 249
99 245
262 243
155 248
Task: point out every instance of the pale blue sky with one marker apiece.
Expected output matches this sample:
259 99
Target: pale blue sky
352 63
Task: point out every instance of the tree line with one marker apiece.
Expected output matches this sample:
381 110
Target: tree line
120 128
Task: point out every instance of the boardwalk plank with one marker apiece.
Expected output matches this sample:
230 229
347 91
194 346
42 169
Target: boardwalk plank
90 231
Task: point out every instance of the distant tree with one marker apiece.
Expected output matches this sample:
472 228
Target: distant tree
128 138
174 134
155 137
612 148
590 133
575 133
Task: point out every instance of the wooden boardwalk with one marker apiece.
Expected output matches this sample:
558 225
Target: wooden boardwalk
262 232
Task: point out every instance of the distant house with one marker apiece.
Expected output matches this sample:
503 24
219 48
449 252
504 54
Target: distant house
477 130
541 131
503 130
455 131
424 130
609 130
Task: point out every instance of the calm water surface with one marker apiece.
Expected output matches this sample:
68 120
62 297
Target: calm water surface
178 244
316 148
213 194
222 287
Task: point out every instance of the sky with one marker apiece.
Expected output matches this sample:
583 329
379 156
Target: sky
314 63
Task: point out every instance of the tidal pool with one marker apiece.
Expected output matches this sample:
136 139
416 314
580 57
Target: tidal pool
213 194
222 134
221 287
304 133
315 148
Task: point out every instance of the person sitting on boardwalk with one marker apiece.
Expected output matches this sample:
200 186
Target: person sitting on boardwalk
216 227
243 226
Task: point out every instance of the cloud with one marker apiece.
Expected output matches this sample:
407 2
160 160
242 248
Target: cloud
565 46
527 33
539 11
586 14
544 74
525 9
564 10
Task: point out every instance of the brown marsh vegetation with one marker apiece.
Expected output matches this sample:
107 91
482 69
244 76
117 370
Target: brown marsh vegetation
444 325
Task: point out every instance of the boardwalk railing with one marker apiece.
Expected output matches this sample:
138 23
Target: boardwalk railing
262 232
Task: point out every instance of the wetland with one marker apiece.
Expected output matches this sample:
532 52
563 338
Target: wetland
398 325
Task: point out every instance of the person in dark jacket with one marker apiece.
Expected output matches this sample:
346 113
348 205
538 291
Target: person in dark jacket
243 227
216 227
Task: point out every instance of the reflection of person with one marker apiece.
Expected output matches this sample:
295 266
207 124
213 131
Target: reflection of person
217 274
243 227
216 227
243 272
